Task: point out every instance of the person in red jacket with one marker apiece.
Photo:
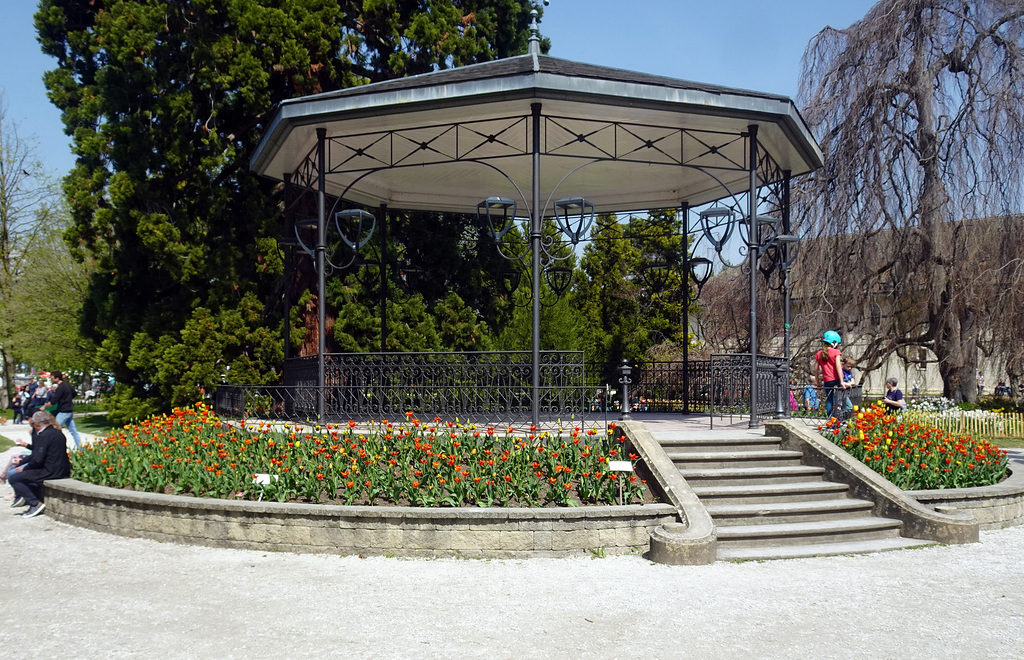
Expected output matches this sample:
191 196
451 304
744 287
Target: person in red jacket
830 367
49 460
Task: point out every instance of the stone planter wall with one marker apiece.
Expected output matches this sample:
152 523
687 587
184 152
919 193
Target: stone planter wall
328 529
995 507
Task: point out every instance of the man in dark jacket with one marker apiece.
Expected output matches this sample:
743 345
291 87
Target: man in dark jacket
63 397
49 460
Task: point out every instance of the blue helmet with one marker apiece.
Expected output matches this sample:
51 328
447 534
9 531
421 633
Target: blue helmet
832 338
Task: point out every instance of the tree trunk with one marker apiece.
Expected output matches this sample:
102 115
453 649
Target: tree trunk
9 385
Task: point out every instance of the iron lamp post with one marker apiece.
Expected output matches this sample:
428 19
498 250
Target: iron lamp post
349 218
573 217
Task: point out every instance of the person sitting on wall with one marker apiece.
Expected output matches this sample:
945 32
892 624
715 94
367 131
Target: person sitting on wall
894 401
49 460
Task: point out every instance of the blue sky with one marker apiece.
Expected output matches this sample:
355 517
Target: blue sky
749 44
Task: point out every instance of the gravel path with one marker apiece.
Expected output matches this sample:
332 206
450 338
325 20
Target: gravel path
73 592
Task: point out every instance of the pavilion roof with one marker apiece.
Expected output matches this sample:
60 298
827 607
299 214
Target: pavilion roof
445 140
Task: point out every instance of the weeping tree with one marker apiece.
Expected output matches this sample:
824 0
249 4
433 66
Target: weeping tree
912 243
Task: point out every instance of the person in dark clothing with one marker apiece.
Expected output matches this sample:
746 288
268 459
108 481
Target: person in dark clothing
49 460
894 401
18 405
39 399
63 397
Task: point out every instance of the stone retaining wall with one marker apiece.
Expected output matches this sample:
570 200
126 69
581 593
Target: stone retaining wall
995 507
364 530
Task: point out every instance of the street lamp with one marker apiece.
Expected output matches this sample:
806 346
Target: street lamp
574 216
496 212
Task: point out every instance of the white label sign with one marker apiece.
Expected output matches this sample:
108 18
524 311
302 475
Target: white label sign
620 466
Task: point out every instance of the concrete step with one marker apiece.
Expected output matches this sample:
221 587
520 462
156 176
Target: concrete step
866 528
761 513
745 443
721 459
751 475
820 549
801 491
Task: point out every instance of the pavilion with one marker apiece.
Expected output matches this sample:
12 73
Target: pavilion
530 137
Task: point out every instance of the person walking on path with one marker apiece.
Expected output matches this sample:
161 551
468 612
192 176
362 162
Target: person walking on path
49 460
63 397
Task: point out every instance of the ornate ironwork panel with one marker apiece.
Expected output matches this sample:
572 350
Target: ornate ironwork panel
657 386
495 387
505 137
730 385
479 387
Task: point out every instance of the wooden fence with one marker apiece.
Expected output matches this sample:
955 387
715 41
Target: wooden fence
995 425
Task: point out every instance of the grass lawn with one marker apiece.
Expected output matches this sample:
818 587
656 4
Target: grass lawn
1007 443
97 425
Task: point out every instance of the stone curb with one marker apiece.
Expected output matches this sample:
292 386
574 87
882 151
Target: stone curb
335 529
890 501
996 506
692 538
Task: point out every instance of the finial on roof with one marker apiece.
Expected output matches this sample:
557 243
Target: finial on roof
535 31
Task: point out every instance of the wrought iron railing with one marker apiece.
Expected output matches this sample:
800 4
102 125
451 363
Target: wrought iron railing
486 387
479 386
808 403
730 386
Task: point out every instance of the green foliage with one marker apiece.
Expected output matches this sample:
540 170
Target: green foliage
39 320
459 329
165 101
26 193
125 407
623 314
995 404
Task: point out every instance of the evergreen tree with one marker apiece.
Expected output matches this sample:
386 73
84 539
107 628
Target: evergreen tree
165 100
607 295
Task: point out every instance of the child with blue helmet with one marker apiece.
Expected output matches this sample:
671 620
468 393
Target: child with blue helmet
829 361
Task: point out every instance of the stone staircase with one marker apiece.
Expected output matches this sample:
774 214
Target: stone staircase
767 505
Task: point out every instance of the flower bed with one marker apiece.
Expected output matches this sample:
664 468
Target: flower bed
915 456
409 464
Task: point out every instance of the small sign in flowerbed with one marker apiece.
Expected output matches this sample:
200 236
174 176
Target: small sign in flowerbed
410 463
915 456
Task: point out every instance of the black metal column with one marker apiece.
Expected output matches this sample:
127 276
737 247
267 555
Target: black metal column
684 209
321 275
786 229
289 256
536 228
383 278
752 254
